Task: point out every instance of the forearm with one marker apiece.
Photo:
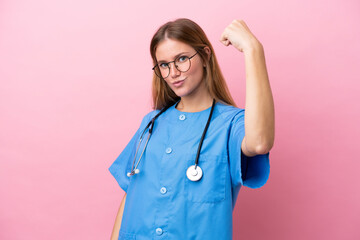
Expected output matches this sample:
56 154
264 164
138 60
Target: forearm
259 105
117 224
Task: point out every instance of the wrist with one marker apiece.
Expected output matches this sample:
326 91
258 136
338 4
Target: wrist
254 48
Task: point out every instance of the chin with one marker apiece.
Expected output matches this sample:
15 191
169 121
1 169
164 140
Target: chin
181 93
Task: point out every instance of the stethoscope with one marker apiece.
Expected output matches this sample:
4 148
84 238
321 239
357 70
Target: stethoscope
194 172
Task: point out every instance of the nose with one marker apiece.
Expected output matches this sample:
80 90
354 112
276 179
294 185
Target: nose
174 72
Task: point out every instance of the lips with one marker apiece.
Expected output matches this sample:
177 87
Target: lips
178 83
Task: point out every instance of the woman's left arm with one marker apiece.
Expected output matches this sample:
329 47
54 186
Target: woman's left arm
259 105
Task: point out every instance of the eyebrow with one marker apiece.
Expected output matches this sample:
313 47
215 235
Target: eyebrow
177 55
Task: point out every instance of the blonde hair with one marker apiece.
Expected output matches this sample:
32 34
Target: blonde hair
188 32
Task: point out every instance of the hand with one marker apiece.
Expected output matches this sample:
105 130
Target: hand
239 35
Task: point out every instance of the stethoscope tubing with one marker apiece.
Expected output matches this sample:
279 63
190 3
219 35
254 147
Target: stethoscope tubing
203 135
150 126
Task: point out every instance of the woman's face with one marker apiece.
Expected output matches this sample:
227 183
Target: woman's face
182 83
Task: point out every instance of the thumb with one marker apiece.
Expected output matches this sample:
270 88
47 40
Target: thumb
225 42
223 39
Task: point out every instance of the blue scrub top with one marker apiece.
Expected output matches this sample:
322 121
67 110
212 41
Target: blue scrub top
161 202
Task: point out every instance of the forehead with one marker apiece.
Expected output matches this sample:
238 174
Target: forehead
167 49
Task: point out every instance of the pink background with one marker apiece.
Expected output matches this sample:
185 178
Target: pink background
75 84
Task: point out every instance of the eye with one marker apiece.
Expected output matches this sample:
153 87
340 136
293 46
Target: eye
182 58
163 65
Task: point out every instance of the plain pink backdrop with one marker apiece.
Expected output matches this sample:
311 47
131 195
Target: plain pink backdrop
75 84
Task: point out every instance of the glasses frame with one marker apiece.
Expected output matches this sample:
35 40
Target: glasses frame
168 65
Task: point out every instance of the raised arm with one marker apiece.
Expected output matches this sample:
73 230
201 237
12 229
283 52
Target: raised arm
259 105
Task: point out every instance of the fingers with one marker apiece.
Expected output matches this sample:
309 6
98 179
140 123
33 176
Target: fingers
244 25
224 38
226 42
236 26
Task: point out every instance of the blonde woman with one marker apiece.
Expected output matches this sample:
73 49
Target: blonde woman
183 168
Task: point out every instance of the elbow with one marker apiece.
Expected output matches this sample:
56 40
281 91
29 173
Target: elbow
265 144
264 148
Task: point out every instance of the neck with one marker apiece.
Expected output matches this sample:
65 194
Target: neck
196 103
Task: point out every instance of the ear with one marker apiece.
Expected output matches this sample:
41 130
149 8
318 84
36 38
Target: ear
208 52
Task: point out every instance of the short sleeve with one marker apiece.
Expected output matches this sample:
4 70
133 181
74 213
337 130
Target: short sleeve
123 163
252 172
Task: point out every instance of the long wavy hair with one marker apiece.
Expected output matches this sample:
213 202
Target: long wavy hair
188 32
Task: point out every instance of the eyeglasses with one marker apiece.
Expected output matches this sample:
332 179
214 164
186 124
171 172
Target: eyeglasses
182 63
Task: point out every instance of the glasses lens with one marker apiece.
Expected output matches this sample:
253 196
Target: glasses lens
182 63
161 72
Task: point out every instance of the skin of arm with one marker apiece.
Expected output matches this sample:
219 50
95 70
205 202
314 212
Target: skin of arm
117 224
259 105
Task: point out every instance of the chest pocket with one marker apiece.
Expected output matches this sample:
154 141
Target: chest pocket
211 187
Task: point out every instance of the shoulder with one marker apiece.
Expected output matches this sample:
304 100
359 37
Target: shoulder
151 114
147 117
230 113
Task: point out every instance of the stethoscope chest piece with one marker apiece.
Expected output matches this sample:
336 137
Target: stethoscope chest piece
194 174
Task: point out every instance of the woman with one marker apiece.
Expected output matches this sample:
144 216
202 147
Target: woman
183 181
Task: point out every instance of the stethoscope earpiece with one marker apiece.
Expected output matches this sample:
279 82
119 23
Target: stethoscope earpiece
133 172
